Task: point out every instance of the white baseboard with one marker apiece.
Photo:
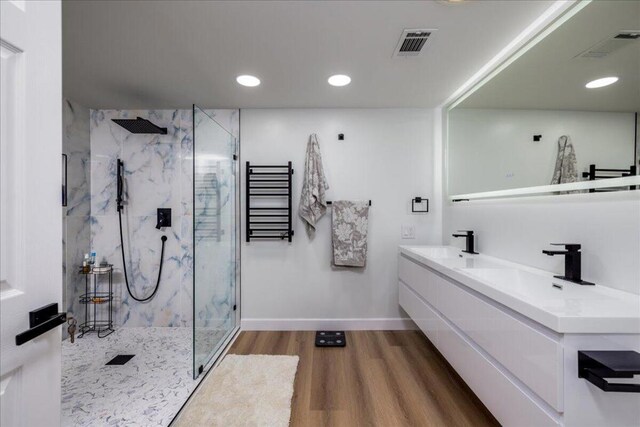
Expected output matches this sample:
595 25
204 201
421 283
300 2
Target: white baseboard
395 324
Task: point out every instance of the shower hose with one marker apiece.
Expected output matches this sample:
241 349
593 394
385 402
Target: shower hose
124 261
124 265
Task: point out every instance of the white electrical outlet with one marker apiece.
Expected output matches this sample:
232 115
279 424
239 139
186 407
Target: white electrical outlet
408 232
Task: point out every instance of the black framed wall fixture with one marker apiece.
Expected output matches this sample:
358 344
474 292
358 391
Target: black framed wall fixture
265 184
423 205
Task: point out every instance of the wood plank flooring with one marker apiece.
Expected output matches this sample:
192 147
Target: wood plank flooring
381 378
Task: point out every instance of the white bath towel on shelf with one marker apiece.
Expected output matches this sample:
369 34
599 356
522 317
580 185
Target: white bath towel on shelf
313 203
349 225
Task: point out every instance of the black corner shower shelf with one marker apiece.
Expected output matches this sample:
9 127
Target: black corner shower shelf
98 321
96 298
266 185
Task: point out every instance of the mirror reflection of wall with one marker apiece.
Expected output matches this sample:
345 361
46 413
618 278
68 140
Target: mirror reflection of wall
496 149
507 133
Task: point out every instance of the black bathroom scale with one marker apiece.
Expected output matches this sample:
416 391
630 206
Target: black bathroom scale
331 339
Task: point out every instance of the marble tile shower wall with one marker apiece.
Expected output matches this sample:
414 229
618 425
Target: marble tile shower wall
158 174
76 231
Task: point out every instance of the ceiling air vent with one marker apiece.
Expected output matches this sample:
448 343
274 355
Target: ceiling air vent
412 42
609 45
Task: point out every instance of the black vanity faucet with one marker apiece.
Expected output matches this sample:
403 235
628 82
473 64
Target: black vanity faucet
468 234
572 262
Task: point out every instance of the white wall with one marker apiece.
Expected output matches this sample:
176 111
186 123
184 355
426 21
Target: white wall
493 149
387 156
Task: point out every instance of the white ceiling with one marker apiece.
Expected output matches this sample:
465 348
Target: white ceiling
550 77
170 54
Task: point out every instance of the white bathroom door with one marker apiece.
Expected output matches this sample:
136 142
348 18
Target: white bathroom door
30 208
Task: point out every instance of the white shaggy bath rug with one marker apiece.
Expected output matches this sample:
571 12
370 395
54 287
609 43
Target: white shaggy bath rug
253 390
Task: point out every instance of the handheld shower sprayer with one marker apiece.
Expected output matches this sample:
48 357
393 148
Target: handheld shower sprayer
120 207
120 184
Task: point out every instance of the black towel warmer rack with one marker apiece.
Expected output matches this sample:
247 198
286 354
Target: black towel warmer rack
266 221
603 173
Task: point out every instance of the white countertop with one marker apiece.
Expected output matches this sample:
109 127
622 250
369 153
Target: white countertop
530 292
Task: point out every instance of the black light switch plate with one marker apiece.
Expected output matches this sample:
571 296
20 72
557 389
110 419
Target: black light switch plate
331 339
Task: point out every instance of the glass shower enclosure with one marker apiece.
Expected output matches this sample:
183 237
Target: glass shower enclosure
215 239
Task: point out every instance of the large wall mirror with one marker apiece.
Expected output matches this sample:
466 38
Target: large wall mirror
562 116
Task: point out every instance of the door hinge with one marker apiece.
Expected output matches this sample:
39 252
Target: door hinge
235 157
234 307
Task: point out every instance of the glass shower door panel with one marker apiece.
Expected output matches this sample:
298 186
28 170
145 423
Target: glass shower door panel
214 237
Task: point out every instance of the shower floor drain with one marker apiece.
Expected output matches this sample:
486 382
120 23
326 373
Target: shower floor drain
120 359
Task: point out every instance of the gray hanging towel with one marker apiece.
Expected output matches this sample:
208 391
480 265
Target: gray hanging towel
566 169
349 224
313 203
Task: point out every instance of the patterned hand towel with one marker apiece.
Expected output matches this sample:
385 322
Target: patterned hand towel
350 220
566 169
313 203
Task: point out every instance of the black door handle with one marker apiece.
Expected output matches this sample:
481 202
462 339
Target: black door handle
41 320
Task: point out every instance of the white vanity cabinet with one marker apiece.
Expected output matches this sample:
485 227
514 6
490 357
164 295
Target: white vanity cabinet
524 372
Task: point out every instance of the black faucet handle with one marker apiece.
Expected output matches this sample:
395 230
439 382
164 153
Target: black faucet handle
570 247
469 232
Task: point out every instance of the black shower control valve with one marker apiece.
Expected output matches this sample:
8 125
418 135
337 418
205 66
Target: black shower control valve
164 218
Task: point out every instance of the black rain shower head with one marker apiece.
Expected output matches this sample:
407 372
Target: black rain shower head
140 125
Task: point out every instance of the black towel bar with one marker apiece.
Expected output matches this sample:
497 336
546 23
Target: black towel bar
329 202
595 366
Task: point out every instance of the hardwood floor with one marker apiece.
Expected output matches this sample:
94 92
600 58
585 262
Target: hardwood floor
381 378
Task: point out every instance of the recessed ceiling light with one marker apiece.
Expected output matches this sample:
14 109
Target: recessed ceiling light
247 80
339 80
605 81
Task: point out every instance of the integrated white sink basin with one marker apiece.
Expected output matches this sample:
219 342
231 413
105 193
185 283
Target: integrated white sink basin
470 263
454 258
565 308
437 252
528 285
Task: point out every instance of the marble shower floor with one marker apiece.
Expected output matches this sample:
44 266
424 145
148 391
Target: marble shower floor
147 391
